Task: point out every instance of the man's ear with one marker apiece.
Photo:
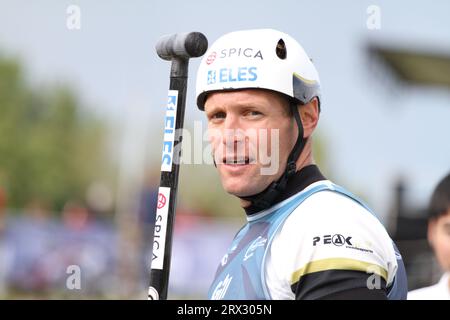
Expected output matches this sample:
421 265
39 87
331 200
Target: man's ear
309 113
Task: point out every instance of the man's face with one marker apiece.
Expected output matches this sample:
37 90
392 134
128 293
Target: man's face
439 236
247 129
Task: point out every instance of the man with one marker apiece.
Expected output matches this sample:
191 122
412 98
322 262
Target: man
306 238
439 239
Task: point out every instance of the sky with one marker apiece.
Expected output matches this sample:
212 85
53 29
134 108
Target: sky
375 130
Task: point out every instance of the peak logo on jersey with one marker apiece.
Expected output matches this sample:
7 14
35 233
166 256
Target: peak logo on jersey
337 239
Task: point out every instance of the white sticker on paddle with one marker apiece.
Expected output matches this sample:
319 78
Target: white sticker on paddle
159 236
169 131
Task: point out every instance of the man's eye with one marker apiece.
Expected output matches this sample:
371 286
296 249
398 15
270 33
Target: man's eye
253 113
218 115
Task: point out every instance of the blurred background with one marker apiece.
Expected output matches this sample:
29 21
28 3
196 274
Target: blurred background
82 103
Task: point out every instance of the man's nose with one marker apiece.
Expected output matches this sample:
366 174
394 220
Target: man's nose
231 121
228 130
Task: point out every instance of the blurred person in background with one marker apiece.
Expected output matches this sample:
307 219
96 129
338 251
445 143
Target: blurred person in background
3 250
306 237
6 249
439 240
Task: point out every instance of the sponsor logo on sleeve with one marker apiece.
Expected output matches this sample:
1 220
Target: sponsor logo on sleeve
340 240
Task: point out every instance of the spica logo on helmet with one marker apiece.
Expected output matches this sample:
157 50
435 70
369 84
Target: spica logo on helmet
241 52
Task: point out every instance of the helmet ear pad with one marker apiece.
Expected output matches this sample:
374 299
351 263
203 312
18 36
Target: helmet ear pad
305 91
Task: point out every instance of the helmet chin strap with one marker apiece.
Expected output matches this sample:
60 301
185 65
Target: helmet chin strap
266 198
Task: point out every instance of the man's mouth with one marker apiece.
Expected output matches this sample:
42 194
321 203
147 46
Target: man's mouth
236 161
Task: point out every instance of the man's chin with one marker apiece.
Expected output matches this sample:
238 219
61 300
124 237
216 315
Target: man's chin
240 191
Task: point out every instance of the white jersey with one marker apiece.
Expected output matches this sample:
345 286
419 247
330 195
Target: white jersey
439 291
328 231
317 242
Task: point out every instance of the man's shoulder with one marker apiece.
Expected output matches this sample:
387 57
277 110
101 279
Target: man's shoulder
332 224
334 205
330 230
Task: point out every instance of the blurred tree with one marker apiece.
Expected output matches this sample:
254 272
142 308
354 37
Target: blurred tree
50 148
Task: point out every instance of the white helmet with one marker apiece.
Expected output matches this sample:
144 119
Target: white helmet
263 58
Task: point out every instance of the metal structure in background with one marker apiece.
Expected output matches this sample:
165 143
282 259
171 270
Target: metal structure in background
409 225
177 48
413 67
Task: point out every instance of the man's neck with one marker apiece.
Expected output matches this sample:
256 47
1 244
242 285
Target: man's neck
297 183
303 161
